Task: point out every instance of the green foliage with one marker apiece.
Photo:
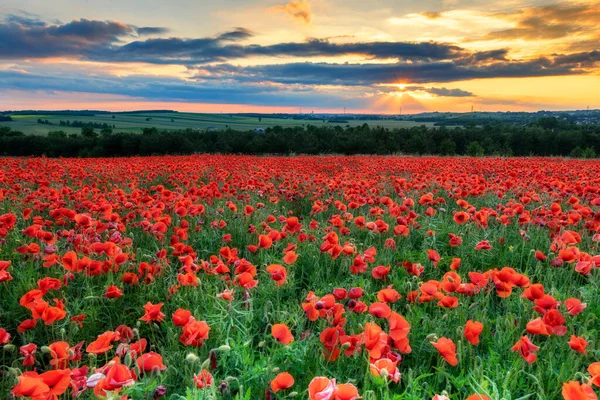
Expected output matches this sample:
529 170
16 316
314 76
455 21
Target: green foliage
581 141
475 150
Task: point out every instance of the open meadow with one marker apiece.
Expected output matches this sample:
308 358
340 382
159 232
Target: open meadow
135 122
238 277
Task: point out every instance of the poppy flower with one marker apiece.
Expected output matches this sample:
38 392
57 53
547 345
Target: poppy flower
321 388
278 273
461 217
282 381
153 313
483 245
526 349
447 350
112 292
4 336
265 241
194 333
399 327
478 396
103 343
112 378
59 354
282 333
375 340
574 390
380 271
388 295
385 368
181 317
537 327
226 295
30 385
578 344
346 391
290 257
455 264
472 331
594 371
380 310
574 306
204 379
150 362
28 351
433 256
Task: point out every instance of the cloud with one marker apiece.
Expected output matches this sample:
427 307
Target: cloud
173 89
550 22
298 9
113 41
27 37
151 30
308 73
443 92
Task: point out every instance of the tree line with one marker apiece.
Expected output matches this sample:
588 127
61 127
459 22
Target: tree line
543 139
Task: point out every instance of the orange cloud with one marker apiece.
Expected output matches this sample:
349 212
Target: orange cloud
298 9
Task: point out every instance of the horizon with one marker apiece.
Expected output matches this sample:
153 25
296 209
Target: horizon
386 58
158 110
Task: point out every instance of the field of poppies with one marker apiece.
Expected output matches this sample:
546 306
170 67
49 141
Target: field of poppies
322 278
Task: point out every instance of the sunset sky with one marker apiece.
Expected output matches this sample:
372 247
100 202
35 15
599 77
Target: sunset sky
377 56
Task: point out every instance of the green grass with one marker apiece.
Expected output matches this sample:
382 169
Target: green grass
135 122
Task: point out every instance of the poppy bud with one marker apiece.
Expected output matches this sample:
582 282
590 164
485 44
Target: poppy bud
191 358
224 348
213 360
293 394
205 364
160 391
9 348
432 337
261 344
127 360
45 349
223 386
275 370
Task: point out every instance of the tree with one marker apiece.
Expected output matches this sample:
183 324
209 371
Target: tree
88 131
113 117
548 122
474 149
447 147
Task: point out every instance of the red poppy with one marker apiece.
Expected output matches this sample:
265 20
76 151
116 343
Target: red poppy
447 350
282 333
153 313
472 331
282 381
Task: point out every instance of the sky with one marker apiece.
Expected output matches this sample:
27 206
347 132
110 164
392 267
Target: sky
376 56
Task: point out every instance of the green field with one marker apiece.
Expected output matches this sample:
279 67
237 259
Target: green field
135 122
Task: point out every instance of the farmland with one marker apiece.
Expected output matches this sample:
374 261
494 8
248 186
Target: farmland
136 121
321 277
